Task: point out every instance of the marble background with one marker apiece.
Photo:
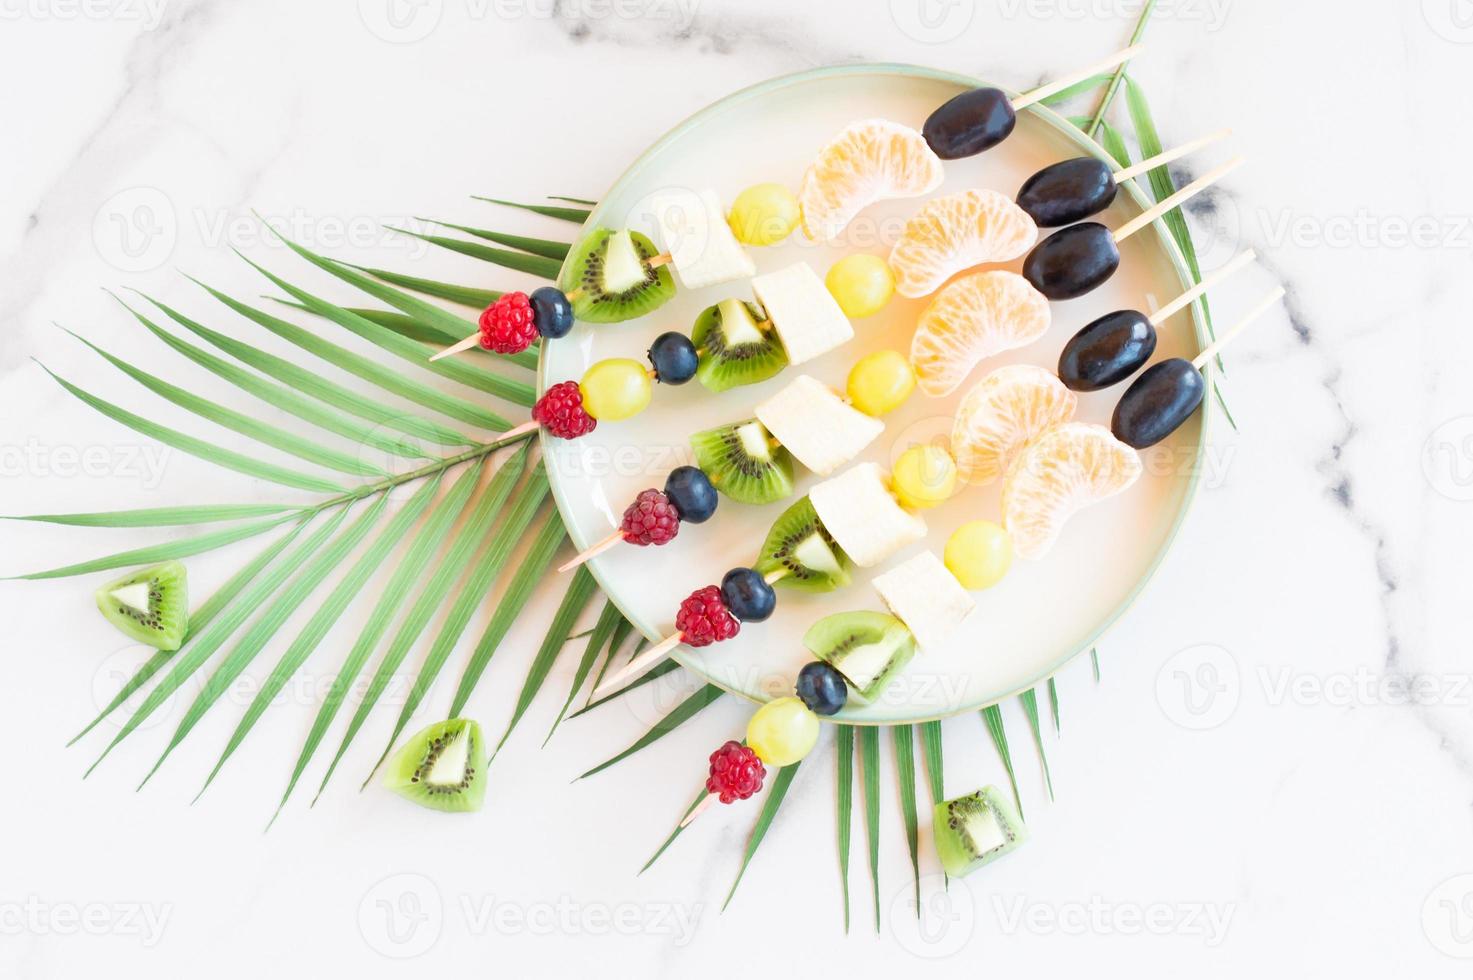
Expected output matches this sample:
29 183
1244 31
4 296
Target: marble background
1275 771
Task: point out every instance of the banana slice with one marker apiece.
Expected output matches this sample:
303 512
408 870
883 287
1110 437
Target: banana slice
926 597
857 508
818 427
694 231
805 315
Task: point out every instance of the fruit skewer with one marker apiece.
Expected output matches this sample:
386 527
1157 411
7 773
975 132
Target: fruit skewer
750 461
1077 259
1074 189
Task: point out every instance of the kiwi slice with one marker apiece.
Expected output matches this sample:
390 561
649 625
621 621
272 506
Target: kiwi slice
737 345
868 648
613 280
744 462
801 549
442 767
151 606
976 829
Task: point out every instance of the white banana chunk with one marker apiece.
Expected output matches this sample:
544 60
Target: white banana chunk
804 313
926 597
818 427
857 508
694 231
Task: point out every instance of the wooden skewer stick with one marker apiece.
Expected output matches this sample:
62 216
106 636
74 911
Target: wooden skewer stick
1212 351
1186 298
1166 156
1055 87
701 808
474 339
1200 184
528 426
593 551
641 662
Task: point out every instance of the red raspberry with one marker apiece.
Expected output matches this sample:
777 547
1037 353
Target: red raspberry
508 325
736 772
561 410
703 618
651 519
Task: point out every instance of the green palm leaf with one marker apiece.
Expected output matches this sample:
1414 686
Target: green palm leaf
844 799
537 246
1053 702
775 797
992 716
603 631
152 554
683 712
281 396
198 447
676 832
931 749
580 591
312 383
535 265
464 295
905 762
159 516
575 215
1030 708
869 744
240 422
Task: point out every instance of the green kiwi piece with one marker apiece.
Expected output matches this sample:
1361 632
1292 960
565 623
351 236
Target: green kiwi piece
442 767
975 830
801 549
151 606
868 648
610 271
744 462
737 345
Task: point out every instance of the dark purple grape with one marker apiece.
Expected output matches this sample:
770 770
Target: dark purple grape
1067 192
1158 402
1072 261
1107 351
969 123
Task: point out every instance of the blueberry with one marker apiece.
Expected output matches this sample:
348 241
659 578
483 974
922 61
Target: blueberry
969 123
551 312
674 357
691 492
822 688
747 595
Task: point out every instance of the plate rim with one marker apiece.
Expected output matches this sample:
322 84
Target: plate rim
1074 135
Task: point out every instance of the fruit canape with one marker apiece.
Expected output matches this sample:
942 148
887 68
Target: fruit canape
752 461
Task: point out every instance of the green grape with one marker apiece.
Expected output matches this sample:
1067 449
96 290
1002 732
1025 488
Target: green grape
763 214
862 284
782 732
615 389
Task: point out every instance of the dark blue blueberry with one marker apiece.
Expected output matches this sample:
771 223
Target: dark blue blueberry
1107 351
969 123
822 688
551 312
747 595
674 358
1072 261
691 492
1157 403
1067 192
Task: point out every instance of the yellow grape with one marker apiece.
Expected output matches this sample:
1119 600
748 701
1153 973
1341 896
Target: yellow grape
923 477
782 732
763 214
880 382
615 389
979 554
862 284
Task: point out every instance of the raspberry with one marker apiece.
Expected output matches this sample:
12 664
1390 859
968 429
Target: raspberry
736 772
561 410
651 519
703 618
508 325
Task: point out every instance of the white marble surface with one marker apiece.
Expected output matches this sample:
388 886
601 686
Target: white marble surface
1249 787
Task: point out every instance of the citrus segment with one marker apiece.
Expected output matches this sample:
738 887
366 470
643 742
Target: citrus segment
973 318
956 232
871 160
1002 414
1069 467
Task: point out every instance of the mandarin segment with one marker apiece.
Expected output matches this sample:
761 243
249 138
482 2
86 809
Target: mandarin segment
1002 414
1068 468
956 232
976 317
871 160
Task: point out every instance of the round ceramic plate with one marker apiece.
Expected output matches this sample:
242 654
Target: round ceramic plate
1045 612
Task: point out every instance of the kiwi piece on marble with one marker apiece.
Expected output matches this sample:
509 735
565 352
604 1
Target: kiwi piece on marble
150 605
442 767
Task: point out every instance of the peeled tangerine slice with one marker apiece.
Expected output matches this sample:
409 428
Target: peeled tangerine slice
694 231
1068 468
926 597
820 429
871 160
858 510
804 314
974 318
956 232
1002 414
